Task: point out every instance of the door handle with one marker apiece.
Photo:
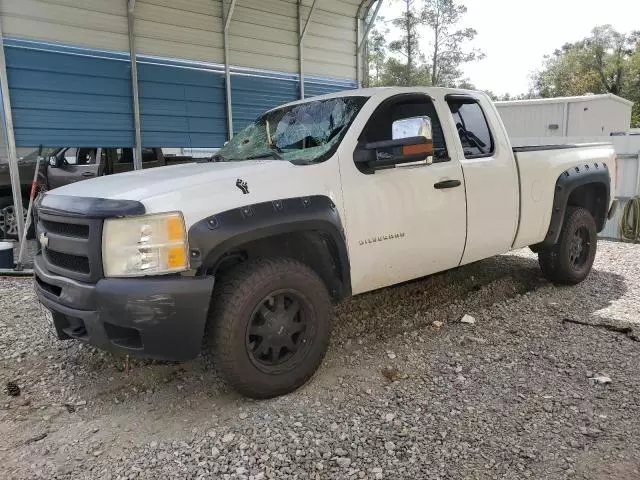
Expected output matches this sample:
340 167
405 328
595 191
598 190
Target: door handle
447 184
88 174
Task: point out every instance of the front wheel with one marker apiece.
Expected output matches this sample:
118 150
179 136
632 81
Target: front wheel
9 223
570 260
269 326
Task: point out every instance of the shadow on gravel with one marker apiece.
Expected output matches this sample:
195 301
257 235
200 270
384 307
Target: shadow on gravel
470 289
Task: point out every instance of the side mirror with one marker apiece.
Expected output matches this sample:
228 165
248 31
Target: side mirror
55 161
389 153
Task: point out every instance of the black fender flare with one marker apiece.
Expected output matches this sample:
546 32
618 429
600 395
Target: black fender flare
569 181
212 237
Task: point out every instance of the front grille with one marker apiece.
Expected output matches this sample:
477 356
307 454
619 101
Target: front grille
75 263
71 245
66 229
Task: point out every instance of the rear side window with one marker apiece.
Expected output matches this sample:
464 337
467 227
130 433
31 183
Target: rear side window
125 155
148 155
473 128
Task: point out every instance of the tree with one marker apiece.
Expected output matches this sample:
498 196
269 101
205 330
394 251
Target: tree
447 52
395 72
605 62
402 61
407 44
376 49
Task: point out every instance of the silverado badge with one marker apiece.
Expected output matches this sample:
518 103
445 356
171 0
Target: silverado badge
382 238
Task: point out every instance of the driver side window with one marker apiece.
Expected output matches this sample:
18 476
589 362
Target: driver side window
79 156
403 116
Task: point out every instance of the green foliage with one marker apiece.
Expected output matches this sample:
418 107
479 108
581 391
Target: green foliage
376 55
401 62
407 45
447 52
606 61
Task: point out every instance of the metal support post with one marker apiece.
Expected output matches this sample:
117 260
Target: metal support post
11 141
302 31
361 40
372 20
358 57
137 152
227 15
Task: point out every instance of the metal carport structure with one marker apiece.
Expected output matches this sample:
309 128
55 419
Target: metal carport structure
174 73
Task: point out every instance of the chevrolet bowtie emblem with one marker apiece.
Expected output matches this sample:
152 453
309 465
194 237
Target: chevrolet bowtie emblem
44 240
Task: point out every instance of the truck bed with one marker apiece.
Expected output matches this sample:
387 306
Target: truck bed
539 167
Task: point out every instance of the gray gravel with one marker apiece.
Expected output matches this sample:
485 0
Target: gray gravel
514 395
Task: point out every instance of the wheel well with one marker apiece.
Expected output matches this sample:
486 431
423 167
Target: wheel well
315 249
592 197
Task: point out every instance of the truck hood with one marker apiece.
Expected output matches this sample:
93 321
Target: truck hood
203 189
143 184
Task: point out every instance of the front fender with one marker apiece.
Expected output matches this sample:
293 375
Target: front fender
212 237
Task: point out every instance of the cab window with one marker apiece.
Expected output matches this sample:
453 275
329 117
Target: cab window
403 116
125 155
79 156
472 126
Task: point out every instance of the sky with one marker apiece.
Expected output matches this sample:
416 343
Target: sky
515 35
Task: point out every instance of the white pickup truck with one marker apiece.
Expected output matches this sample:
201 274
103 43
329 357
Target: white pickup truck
315 201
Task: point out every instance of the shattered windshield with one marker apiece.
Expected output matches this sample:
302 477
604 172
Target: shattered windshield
305 133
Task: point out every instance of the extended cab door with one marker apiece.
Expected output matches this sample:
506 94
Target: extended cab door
490 173
74 165
407 221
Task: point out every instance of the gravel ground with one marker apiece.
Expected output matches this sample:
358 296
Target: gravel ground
400 395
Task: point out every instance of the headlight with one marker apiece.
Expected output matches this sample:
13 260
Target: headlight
145 245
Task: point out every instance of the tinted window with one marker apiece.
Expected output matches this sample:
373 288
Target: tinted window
148 155
472 127
125 155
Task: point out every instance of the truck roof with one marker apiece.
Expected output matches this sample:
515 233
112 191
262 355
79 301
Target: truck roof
386 91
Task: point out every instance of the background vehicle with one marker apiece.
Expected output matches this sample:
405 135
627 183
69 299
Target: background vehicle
315 201
69 165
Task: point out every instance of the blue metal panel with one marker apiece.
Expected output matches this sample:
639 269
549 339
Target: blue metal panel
68 96
314 85
261 91
181 106
252 95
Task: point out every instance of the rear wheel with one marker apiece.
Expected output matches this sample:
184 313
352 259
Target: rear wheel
269 326
570 260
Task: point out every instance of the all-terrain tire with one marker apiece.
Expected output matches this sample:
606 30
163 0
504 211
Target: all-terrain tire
236 300
567 262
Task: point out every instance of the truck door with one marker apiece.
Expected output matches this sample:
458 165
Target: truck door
491 177
407 221
74 165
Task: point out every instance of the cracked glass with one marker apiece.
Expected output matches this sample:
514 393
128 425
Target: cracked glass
302 133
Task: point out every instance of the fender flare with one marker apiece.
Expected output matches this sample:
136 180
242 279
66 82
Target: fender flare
212 237
568 182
